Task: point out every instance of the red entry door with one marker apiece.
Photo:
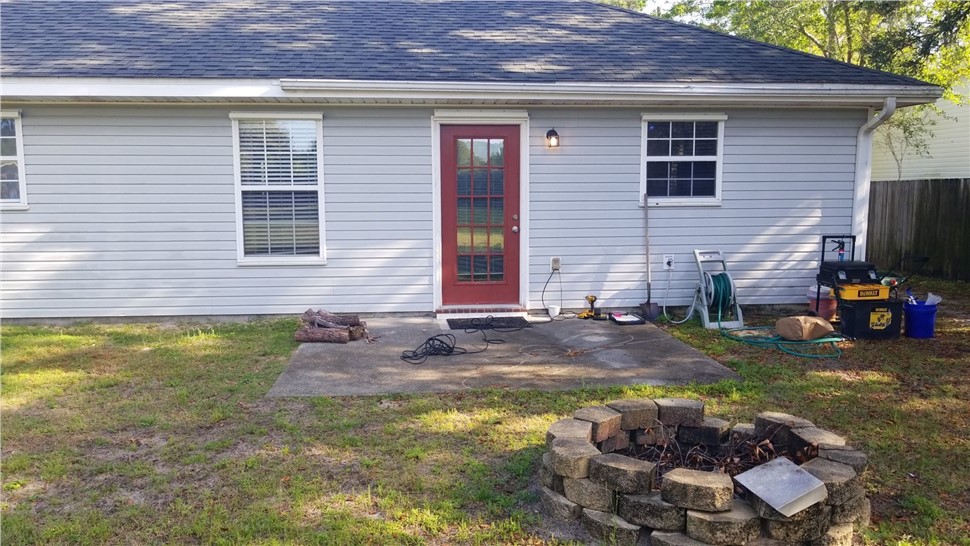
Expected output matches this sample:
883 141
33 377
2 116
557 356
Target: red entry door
480 214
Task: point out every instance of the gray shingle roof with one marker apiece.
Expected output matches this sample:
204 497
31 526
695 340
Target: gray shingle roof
419 40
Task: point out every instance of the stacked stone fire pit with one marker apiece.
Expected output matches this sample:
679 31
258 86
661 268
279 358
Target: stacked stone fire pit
594 471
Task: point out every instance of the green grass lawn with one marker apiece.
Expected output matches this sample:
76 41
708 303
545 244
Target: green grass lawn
156 433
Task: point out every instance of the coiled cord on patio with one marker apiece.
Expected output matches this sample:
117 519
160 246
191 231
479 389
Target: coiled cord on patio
447 344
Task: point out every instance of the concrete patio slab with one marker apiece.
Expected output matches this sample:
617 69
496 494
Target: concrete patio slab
549 356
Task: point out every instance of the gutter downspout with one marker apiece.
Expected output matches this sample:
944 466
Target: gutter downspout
863 174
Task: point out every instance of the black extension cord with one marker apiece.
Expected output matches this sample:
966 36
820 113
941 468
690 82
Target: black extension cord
447 344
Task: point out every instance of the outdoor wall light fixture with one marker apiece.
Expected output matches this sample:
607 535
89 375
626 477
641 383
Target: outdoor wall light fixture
552 138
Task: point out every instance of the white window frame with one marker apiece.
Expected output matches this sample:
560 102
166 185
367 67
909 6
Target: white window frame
20 204
681 201
241 258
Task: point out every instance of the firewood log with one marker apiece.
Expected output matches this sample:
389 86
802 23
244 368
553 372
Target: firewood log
346 320
326 335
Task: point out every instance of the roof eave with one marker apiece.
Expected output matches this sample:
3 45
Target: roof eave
21 89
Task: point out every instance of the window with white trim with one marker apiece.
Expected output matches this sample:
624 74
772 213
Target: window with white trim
279 188
13 185
681 159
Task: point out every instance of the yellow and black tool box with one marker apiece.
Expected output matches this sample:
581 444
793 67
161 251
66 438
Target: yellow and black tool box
871 319
863 292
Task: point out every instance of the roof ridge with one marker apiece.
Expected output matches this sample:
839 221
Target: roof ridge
755 42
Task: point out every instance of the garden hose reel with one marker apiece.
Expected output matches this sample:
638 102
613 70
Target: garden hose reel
716 292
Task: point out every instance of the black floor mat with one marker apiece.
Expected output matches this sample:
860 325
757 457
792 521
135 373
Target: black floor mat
488 323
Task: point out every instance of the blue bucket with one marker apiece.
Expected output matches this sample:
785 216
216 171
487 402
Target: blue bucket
920 320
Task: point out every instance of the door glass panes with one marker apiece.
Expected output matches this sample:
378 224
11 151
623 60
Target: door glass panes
480 205
464 151
496 152
464 268
480 152
480 182
496 268
496 182
464 182
464 211
464 239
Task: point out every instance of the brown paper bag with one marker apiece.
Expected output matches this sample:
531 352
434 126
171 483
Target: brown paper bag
803 328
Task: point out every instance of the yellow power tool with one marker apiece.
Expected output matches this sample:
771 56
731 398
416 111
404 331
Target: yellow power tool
591 312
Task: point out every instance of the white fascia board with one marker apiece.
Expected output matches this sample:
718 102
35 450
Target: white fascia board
814 93
356 91
124 88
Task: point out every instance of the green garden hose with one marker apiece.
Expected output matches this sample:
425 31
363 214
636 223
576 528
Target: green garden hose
783 345
722 297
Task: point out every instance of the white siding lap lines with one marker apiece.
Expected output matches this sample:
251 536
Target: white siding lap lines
132 215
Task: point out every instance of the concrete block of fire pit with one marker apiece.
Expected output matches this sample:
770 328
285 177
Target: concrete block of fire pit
776 426
610 528
845 455
742 432
806 437
841 481
680 411
736 527
657 434
547 476
866 517
617 442
783 485
556 505
606 422
697 490
652 511
569 428
621 473
570 457
765 541
800 530
837 535
853 511
711 432
589 495
663 538
637 413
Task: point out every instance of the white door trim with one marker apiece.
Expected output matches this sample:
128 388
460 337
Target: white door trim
482 117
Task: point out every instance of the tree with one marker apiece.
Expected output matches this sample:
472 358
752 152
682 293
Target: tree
924 39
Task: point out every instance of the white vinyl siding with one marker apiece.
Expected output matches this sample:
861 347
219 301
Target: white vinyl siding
13 180
279 181
788 177
133 214
948 148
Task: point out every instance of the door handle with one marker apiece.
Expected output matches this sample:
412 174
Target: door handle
515 229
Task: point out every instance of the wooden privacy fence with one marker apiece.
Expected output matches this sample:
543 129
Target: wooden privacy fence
924 218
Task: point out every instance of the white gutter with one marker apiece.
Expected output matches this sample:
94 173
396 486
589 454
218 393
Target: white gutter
423 92
863 174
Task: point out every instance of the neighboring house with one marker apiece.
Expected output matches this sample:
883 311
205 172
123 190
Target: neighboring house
218 158
948 150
